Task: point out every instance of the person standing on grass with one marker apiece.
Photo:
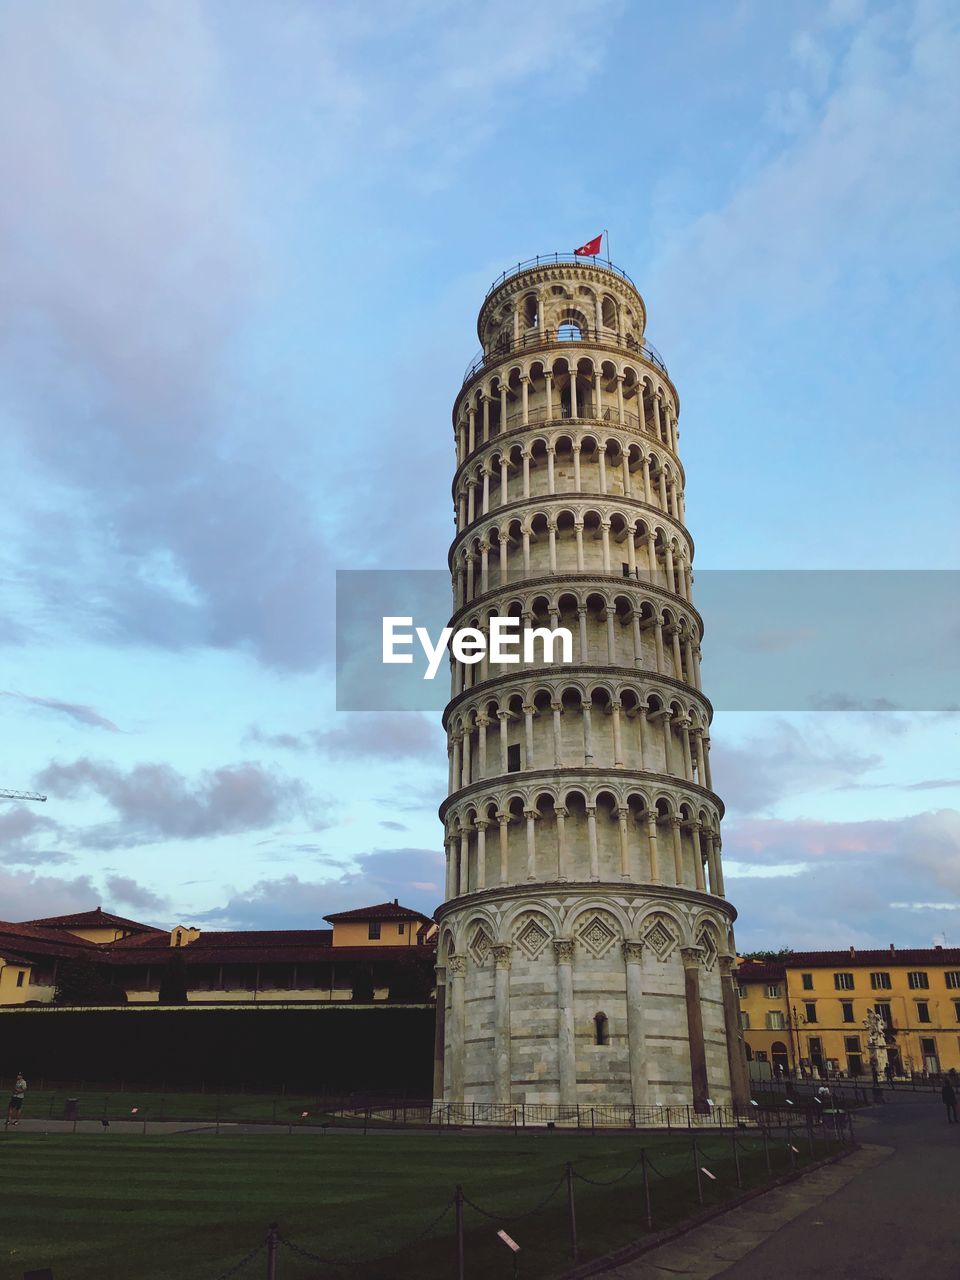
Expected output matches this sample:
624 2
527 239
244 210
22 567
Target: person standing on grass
16 1100
949 1096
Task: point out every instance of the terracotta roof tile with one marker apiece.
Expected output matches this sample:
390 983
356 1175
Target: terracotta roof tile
95 919
382 911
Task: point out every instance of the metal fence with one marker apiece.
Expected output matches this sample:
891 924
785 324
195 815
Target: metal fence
713 1175
579 1116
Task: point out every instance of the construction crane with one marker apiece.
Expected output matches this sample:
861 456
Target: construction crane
20 795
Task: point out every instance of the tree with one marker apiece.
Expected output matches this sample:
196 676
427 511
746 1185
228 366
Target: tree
412 979
173 984
81 981
767 955
363 984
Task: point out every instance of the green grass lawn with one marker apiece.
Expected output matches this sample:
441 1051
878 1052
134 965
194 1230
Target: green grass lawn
104 1206
111 1104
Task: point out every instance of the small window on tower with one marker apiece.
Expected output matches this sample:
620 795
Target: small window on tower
601 1033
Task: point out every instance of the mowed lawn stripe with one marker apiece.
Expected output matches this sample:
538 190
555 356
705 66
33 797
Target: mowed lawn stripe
188 1206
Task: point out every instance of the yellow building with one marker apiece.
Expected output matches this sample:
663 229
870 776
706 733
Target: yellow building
375 953
810 1009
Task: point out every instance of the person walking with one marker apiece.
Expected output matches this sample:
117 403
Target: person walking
15 1106
949 1096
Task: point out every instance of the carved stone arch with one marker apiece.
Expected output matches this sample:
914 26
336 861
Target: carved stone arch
575 789
662 931
541 686
446 945
479 935
531 927
709 939
574 913
636 799
709 919
598 929
511 794
665 805
489 801
601 684
576 688
531 516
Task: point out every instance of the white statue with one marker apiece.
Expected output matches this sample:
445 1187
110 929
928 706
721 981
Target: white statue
876 1041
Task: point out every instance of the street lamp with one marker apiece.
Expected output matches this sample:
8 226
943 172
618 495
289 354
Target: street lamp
795 1019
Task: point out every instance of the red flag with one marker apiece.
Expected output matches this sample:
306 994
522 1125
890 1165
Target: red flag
591 248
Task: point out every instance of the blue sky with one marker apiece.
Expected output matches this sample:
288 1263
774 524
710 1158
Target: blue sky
241 252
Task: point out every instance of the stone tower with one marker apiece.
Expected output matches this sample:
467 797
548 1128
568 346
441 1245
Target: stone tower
585 943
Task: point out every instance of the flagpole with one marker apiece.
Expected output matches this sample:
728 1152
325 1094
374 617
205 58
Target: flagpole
607 234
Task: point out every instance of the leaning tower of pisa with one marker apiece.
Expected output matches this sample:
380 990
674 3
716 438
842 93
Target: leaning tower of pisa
585 941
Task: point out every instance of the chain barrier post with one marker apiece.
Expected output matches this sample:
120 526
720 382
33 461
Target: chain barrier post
646 1188
574 1251
593 1123
766 1148
696 1166
273 1248
458 1200
736 1161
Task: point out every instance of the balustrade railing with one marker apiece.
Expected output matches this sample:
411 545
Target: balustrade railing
609 414
555 260
540 339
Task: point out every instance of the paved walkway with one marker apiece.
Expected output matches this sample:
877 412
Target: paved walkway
888 1212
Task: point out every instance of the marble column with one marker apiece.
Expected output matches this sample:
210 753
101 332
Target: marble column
633 957
566 1039
501 1023
698 1052
439 1033
736 1058
456 974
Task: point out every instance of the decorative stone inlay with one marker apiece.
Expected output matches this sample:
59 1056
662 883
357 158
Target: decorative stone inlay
660 939
597 936
532 938
709 948
480 944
